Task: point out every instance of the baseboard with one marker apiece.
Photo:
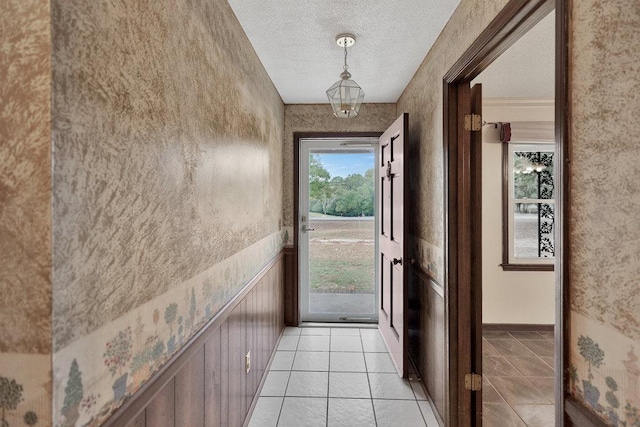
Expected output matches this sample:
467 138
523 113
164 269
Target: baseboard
577 414
507 327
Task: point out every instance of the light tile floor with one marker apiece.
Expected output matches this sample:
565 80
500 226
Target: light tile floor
338 377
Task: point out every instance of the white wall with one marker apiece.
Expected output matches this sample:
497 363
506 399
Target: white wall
509 296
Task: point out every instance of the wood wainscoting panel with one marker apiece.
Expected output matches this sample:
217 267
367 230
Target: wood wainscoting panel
427 336
161 410
139 421
206 383
189 389
237 375
250 317
213 380
225 377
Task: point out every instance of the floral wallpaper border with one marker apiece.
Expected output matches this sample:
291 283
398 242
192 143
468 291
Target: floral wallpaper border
95 374
605 371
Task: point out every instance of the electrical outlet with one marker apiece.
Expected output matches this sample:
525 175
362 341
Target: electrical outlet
247 362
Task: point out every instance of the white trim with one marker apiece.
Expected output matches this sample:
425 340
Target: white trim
518 103
511 201
518 110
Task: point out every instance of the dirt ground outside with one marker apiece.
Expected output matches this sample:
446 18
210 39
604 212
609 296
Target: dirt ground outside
341 253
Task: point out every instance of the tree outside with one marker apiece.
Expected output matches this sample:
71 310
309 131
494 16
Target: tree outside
348 196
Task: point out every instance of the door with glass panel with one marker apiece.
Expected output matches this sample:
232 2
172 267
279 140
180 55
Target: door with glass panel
337 234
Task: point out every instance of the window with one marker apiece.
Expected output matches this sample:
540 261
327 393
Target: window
528 207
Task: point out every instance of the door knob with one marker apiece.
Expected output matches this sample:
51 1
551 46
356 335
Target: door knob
308 229
397 261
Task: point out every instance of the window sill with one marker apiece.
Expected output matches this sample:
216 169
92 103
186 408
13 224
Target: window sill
527 267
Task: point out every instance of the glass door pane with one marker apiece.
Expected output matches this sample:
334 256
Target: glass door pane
339 234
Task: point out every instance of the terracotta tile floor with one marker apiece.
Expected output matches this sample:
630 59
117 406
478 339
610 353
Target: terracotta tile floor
518 379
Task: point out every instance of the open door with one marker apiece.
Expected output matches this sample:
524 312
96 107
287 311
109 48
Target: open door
468 263
476 260
392 277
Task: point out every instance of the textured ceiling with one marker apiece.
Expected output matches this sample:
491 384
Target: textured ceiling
526 69
295 40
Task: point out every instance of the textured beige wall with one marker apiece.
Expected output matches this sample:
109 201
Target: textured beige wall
422 99
167 136
167 186
605 222
25 214
320 118
25 178
605 205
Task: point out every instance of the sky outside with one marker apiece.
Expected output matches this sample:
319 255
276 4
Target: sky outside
343 164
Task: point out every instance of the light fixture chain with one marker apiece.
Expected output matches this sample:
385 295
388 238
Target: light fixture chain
346 67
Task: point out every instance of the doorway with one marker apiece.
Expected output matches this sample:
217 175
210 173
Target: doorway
337 230
518 283
463 199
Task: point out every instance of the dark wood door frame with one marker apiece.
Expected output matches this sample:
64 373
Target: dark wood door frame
292 294
461 167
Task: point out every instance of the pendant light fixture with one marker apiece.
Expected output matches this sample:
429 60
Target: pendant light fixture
345 95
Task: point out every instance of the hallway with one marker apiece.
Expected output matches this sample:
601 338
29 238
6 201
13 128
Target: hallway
150 225
337 377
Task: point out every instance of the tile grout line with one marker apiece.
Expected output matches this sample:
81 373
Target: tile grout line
366 368
418 402
540 357
328 381
526 378
287 386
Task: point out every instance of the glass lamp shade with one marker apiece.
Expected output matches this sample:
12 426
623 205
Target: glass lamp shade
345 97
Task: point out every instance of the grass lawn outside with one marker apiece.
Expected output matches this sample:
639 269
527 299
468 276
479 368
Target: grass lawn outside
341 253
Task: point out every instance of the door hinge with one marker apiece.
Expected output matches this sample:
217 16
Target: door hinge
473 122
473 382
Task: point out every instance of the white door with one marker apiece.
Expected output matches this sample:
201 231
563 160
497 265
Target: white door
337 234
392 245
